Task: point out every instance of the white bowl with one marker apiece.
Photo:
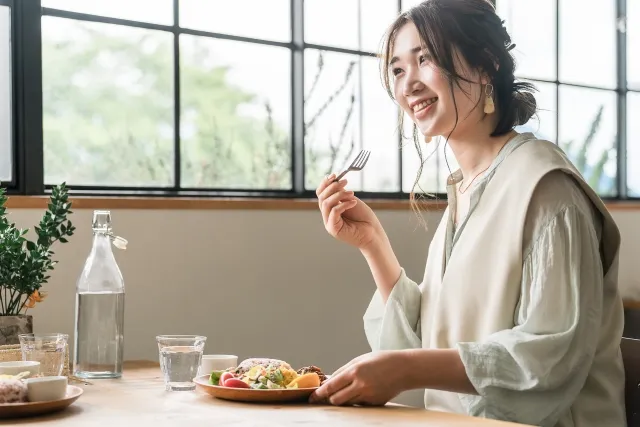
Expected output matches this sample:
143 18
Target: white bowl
43 389
217 362
16 367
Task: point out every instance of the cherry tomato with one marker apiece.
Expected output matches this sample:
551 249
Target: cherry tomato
224 377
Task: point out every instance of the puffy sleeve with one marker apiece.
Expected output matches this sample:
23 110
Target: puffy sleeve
533 372
396 324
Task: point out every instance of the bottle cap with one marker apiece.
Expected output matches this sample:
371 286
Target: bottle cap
102 223
119 242
101 220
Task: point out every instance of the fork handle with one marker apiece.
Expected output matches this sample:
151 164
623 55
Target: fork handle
339 177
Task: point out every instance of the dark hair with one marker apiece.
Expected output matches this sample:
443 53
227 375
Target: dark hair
475 30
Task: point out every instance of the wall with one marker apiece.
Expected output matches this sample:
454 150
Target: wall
256 283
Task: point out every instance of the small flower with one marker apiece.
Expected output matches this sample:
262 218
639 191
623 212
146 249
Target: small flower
34 298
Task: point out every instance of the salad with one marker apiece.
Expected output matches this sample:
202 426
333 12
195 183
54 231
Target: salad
266 374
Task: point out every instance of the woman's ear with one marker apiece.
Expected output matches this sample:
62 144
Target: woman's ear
484 78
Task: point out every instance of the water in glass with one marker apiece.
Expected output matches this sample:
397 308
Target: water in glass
180 357
180 366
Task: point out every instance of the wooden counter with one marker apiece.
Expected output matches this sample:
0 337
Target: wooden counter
139 399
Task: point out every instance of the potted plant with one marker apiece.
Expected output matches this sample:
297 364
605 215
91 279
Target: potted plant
24 264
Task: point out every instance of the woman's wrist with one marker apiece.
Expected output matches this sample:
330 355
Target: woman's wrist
383 263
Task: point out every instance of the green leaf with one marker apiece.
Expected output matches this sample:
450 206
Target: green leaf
23 263
214 378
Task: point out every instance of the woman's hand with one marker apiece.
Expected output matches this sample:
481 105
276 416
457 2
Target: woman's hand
346 217
371 379
376 378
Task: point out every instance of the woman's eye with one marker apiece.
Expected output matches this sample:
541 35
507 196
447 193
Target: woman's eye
396 71
424 58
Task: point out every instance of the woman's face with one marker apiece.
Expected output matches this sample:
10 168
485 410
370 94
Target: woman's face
423 92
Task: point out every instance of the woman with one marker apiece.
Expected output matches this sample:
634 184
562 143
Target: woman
518 316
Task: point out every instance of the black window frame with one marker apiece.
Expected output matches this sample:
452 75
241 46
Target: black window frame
621 90
28 114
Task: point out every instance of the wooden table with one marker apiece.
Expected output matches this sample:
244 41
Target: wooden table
139 399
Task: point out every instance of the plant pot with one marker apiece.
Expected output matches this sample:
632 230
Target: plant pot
12 326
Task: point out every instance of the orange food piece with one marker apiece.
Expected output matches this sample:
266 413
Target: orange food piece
309 380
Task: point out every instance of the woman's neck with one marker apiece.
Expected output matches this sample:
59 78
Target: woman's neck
475 154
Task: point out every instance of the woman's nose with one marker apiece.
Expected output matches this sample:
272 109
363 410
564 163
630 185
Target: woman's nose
412 82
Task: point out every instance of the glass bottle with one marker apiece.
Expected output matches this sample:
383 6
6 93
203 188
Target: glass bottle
99 317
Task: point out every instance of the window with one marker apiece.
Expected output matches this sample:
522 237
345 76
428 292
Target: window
151 11
114 91
633 110
222 16
6 116
107 104
181 97
585 104
256 98
235 129
633 97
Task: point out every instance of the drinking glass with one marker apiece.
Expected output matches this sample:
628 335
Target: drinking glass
180 357
48 349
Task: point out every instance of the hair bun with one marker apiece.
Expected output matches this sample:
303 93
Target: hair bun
524 105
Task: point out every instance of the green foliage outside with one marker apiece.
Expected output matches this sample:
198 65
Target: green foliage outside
108 118
578 151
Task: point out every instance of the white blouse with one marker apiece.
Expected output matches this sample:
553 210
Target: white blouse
533 372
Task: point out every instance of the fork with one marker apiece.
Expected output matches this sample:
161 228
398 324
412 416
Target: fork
357 165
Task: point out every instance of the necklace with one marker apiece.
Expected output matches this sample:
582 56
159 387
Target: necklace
461 191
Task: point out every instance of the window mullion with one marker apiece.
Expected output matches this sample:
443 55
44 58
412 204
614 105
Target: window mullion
28 97
176 95
621 122
297 96
557 24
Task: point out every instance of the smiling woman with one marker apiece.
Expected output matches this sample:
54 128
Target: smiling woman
518 316
433 47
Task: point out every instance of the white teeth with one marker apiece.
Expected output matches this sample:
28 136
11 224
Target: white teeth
424 104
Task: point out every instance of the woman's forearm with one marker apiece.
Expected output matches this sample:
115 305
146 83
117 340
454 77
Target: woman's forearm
384 265
438 369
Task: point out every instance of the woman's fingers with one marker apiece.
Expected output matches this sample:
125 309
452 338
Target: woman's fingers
333 200
335 215
328 189
349 395
324 183
332 386
331 188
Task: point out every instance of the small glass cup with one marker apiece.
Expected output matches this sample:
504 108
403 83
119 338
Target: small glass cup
180 357
48 349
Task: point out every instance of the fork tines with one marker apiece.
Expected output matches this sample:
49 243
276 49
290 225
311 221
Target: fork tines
358 163
361 160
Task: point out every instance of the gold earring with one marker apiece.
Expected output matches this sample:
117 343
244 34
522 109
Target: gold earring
488 104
